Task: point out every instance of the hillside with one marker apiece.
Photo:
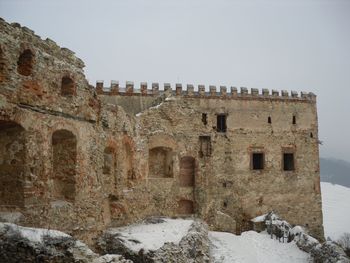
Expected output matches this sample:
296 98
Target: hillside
335 171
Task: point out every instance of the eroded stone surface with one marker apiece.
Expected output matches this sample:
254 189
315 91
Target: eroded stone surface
78 159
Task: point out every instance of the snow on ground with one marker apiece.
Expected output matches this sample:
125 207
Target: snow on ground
153 236
35 234
336 209
253 247
259 218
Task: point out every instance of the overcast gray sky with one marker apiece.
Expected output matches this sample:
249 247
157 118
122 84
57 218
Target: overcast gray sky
292 45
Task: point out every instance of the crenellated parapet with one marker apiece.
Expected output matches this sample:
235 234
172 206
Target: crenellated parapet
201 92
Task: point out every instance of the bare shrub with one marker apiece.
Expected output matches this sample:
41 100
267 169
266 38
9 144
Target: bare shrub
344 241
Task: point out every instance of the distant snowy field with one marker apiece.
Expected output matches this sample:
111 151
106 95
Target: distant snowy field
336 209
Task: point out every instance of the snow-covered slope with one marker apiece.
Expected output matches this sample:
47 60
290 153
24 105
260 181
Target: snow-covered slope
336 209
152 236
253 247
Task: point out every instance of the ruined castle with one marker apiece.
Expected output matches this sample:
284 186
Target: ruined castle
79 158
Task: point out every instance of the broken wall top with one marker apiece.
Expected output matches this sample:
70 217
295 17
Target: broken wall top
26 35
39 75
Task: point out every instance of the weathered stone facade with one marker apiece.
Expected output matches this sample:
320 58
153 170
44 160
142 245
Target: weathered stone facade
79 158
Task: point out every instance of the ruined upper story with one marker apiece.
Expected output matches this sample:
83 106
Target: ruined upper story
40 75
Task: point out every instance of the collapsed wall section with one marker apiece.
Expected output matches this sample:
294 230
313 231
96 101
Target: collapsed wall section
53 138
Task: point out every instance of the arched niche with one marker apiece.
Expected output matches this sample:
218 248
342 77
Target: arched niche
185 207
25 62
12 164
160 162
64 149
67 86
187 171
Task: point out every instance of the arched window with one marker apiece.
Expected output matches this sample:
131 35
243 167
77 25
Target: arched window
67 86
185 207
12 164
160 162
64 144
25 63
187 171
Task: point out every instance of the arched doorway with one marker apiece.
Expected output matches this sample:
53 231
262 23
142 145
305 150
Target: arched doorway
187 171
12 164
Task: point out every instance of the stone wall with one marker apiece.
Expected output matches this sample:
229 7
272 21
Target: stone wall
89 158
225 180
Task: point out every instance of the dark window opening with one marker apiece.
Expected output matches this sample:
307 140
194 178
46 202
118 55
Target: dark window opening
204 118
288 162
67 87
25 63
205 145
311 135
224 184
258 161
294 119
221 123
269 120
225 204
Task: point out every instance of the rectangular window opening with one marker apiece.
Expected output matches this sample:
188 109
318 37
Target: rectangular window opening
288 162
258 161
294 119
221 123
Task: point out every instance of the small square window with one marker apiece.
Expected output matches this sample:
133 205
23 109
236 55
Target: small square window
288 162
221 123
257 161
